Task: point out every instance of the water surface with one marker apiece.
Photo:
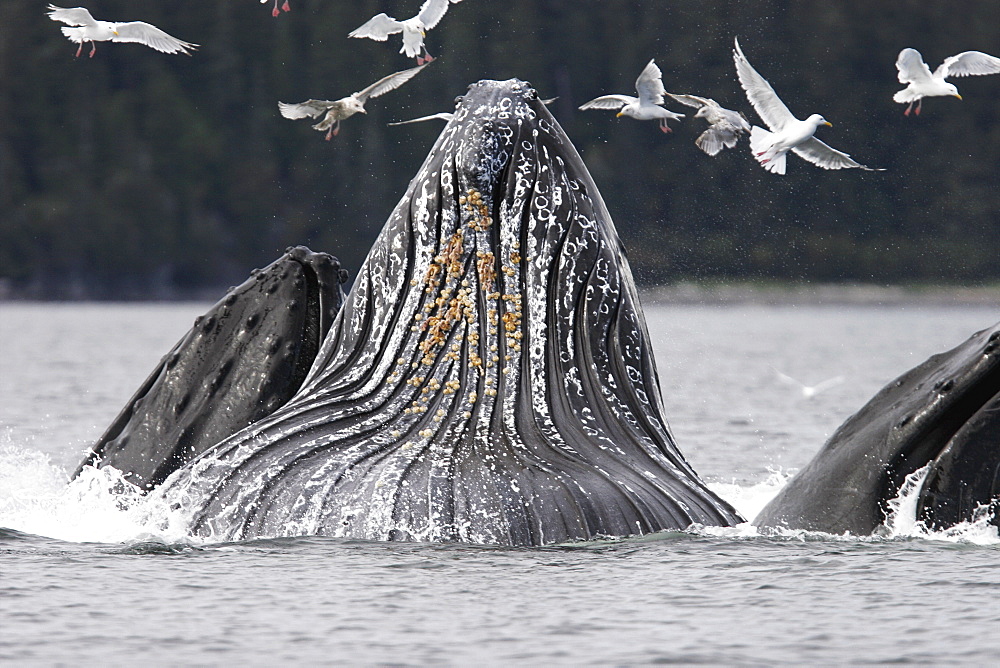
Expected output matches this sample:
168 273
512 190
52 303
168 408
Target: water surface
89 574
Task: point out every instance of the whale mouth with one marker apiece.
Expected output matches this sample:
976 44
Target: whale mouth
242 360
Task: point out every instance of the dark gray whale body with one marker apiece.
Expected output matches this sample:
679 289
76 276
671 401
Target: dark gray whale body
242 360
943 414
489 378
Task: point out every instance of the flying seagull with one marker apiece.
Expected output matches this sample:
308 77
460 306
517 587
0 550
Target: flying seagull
724 126
787 132
88 29
646 107
275 12
809 391
446 116
921 83
346 107
414 29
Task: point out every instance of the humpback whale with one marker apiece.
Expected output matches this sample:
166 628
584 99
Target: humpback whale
943 415
489 377
242 360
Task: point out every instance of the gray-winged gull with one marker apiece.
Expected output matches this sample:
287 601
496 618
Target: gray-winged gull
787 132
646 107
724 125
922 83
414 29
345 107
809 391
88 29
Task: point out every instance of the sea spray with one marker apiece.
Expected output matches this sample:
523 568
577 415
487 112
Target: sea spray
901 518
99 506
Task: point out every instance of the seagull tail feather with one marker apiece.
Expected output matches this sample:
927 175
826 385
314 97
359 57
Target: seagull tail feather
760 140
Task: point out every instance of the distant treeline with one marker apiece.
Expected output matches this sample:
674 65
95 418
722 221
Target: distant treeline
136 174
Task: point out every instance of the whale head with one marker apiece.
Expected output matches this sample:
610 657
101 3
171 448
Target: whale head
490 378
242 360
942 416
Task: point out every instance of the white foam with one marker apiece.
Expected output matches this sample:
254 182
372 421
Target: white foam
99 506
902 519
750 499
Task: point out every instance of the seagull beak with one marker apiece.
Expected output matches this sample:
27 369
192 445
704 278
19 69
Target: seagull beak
618 115
828 123
115 32
958 96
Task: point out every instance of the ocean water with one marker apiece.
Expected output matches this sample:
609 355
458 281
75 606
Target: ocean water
92 574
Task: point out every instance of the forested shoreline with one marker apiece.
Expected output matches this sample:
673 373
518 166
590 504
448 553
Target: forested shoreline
136 174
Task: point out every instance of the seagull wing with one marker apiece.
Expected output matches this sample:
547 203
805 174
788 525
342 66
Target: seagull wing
763 98
787 380
649 85
444 116
386 84
823 156
78 16
736 119
716 136
828 383
151 36
378 27
968 63
912 68
608 102
692 100
307 109
431 12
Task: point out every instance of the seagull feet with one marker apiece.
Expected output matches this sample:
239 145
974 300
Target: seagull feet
426 58
665 128
93 49
79 50
286 7
920 104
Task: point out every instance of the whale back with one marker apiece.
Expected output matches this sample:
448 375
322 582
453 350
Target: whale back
490 378
240 361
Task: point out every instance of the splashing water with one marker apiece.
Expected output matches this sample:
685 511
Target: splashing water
98 506
902 519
